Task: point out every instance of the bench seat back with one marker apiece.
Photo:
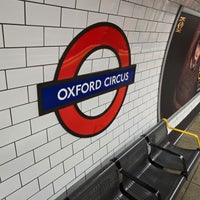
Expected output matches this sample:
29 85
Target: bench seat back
135 158
101 186
136 162
158 134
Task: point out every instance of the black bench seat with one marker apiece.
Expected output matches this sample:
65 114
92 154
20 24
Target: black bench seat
168 155
135 163
104 185
151 168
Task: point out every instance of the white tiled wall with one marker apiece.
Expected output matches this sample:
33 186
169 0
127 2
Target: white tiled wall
38 158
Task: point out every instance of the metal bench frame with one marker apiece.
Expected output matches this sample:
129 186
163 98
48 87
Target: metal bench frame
155 183
140 172
166 154
105 184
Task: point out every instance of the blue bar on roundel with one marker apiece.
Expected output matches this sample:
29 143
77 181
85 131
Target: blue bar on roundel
58 94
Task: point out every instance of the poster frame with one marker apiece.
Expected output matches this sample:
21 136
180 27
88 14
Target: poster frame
180 11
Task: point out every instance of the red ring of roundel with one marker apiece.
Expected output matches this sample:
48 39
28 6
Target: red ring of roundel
97 36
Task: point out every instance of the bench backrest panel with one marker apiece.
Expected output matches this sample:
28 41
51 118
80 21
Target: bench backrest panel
101 186
135 159
158 134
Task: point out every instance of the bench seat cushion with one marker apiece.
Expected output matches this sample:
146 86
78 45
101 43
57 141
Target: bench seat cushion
135 162
103 185
166 183
170 161
158 135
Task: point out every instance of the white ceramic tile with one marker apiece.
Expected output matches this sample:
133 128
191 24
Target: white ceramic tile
23 36
17 165
141 25
55 132
49 72
38 14
43 122
109 6
25 192
34 171
64 3
12 12
61 155
163 27
100 154
14 97
2 80
126 9
96 17
150 14
80 168
58 36
12 58
51 176
31 142
88 5
91 149
24 77
42 56
43 194
81 144
73 161
9 186
47 150
24 112
7 153
64 180
130 24
139 12
79 18
1 37
118 20
7 136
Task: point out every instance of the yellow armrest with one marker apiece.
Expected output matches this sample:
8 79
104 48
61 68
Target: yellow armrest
182 131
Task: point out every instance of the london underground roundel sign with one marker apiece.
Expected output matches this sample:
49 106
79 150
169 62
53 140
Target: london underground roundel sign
68 88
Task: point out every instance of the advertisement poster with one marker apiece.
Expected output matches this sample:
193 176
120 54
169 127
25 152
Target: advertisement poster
181 76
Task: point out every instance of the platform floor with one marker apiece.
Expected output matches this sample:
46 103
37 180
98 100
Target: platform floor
191 188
